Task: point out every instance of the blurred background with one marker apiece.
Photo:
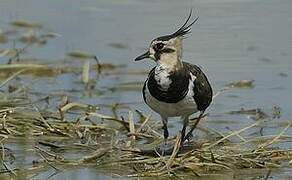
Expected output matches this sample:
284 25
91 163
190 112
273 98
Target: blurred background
244 45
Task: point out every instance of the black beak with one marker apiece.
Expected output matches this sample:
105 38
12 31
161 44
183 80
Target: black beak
143 56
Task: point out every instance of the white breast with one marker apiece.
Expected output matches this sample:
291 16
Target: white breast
162 77
186 106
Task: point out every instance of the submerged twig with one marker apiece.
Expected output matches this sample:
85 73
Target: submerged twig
232 134
275 138
12 77
4 163
46 160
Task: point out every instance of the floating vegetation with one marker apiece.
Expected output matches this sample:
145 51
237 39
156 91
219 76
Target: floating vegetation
32 39
128 145
118 45
50 35
255 114
47 70
124 145
3 38
283 74
87 66
242 84
265 59
26 24
276 112
130 86
81 55
85 72
252 48
45 130
8 52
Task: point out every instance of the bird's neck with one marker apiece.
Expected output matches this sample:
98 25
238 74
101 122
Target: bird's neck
170 62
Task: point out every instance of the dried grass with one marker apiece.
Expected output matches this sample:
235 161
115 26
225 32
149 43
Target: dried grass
124 145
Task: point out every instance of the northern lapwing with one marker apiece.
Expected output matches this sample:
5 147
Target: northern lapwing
175 88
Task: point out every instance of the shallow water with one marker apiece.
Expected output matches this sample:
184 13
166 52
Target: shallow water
233 40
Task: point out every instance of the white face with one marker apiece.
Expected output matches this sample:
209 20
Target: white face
164 48
169 46
160 48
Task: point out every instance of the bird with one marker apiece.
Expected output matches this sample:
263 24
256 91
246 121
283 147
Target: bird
175 88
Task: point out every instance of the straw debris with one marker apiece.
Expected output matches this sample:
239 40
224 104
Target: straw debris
132 144
41 131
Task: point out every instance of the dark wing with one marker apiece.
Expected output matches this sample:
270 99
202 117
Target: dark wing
202 89
145 84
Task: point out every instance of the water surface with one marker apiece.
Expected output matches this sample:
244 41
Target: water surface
233 40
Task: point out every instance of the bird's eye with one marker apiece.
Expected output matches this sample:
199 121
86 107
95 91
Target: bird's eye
159 45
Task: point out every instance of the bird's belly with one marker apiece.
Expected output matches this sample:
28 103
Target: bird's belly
184 107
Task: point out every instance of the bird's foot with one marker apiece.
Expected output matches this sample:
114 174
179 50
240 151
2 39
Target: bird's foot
165 148
188 137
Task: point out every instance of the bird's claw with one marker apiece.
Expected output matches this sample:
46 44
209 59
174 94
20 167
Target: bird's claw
164 148
189 137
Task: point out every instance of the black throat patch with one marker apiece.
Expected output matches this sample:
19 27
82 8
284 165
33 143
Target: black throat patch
177 90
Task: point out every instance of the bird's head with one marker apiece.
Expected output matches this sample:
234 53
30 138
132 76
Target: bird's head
168 48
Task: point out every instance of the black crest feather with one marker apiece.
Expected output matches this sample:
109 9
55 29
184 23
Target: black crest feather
183 30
